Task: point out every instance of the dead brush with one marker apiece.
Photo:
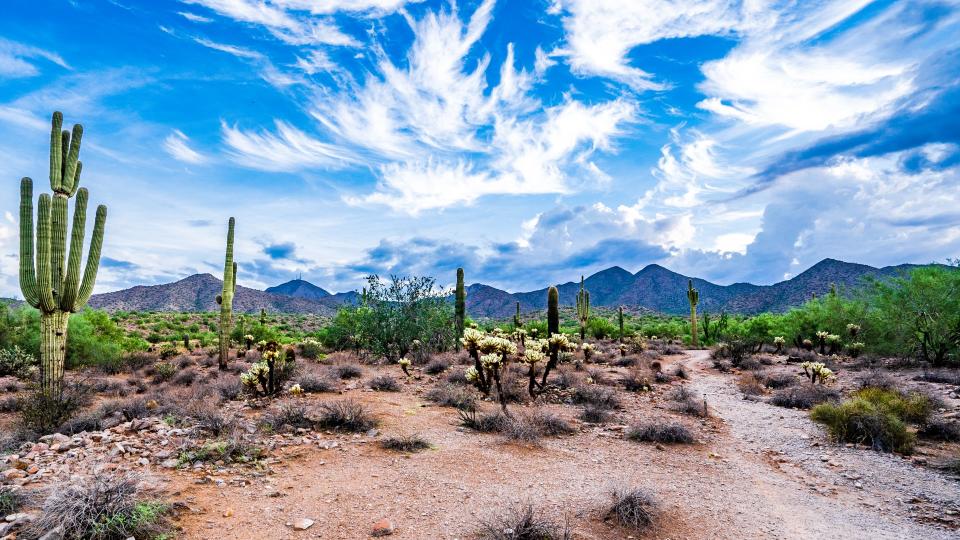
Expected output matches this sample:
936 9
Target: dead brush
660 432
684 400
523 523
749 384
405 443
631 508
384 383
596 395
345 415
448 395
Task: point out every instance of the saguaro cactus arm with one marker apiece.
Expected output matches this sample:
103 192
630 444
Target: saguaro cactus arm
28 275
93 259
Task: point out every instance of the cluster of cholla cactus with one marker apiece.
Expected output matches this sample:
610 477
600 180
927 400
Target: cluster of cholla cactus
855 349
583 309
460 308
49 276
492 354
588 350
225 298
822 341
817 372
265 377
693 296
404 364
779 342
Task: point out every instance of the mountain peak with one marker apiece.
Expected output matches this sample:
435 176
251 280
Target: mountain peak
299 288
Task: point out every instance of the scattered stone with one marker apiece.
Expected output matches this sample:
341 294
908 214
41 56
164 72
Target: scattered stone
302 524
384 527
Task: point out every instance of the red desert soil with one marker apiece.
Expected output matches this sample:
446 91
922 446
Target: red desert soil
758 472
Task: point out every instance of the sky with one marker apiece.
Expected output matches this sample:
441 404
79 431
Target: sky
528 141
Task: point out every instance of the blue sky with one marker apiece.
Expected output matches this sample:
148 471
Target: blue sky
528 141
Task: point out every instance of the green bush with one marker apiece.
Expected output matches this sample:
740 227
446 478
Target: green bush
875 417
17 362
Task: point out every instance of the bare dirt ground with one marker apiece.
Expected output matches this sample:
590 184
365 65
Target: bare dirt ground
758 471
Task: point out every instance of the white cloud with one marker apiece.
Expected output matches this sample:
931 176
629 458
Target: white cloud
240 52
325 7
283 25
177 145
316 61
288 150
14 59
193 17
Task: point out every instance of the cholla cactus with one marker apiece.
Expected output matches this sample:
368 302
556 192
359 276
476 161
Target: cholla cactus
817 371
404 364
807 345
623 350
520 335
248 341
588 350
855 349
494 360
833 340
265 377
822 341
471 341
296 390
779 342
534 353
471 374
853 330
497 345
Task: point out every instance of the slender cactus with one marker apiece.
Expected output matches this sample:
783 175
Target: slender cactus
694 297
620 320
49 275
225 298
553 327
583 309
460 308
517 321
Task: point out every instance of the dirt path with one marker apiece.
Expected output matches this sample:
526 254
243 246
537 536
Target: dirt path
760 472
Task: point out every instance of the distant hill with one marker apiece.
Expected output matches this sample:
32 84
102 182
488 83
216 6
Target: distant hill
653 288
300 289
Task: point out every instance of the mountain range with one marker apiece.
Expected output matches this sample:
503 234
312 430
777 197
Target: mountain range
654 288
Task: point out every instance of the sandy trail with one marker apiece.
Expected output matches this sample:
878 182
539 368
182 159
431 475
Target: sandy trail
756 474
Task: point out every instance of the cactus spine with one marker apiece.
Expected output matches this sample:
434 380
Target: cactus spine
694 297
583 308
620 321
225 298
54 285
460 308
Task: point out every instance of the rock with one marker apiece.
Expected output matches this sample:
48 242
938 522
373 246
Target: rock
228 512
384 527
11 474
302 524
54 534
169 463
19 518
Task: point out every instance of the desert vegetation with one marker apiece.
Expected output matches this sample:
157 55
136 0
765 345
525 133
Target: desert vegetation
97 406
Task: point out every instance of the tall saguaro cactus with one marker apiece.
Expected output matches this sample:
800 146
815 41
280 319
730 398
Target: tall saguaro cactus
517 321
553 311
225 298
54 285
694 297
620 320
460 308
583 308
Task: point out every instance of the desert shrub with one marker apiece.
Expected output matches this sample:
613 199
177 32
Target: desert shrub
163 372
185 377
942 376
405 443
482 422
749 384
548 423
636 381
520 429
684 400
660 432
11 499
10 404
940 429
311 349
43 413
750 364
523 523
228 388
875 417
594 414
232 449
448 395
778 380
436 366
662 377
90 421
16 362
803 396
877 379
384 383
314 384
682 372
458 376
625 361
347 371
632 508
105 506
293 415
211 419
345 415
597 375
596 395
566 379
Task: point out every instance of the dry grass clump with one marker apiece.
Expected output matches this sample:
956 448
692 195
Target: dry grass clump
523 428
632 508
384 383
749 384
566 379
660 432
405 443
636 380
877 379
347 371
942 376
458 376
803 396
293 415
549 424
940 429
596 395
101 507
593 414
684 400
211 419
316 384
482 422
875 417
778 380
448 395
523 523
436 366
345 415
